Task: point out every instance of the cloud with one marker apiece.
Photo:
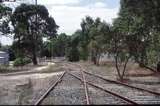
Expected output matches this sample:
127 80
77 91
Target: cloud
99 5
68 14
58 2
69 18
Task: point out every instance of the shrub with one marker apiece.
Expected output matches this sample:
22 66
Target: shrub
26 60
73 54
21 61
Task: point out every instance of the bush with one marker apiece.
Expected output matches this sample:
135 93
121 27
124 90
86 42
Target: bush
73 54
27 60
21 61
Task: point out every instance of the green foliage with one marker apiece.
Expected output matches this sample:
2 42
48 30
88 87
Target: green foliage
139 21
31 23
93 38
21 61
57 46
73 54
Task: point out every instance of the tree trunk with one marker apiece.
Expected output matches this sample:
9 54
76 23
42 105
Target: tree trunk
158 67
98 60
125 65
34 59
117 68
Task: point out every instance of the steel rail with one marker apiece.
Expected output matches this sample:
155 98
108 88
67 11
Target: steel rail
120 83
112 93
85 87
49 90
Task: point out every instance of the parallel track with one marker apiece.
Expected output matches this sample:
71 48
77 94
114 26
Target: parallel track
101 88
126 85
85 88
86 83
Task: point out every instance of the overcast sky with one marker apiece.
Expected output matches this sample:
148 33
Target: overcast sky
69 13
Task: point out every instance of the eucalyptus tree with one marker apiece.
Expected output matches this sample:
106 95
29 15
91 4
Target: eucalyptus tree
31 23
58 45
118 48
94 38
144 30
122 41
73 48
86 25
99 39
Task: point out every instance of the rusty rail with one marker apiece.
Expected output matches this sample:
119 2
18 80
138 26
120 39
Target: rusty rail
120 83
49 90
112 93
85 87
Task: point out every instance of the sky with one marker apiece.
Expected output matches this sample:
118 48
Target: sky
68 14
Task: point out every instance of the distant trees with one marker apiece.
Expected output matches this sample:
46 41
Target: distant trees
134 35
93 36
57 46
31 23
99 39
72 52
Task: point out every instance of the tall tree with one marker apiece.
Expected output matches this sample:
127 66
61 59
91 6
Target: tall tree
94 38
72 51
144 30
86 24
99 39
31 23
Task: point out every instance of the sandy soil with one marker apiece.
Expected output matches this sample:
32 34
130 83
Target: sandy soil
23 87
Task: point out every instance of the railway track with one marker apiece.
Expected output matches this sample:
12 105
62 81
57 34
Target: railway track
49 90
139 95
90 80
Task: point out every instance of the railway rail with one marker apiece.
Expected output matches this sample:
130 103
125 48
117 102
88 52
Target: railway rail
87 83
124 84
49 90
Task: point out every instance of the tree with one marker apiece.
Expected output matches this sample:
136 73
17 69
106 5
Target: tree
5 13
44 50
86 24
72 51
94 38
31 23
99 39
58 45
144 30
120 43
120 51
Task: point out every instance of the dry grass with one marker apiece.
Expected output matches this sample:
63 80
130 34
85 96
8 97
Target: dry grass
132 69
52 68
